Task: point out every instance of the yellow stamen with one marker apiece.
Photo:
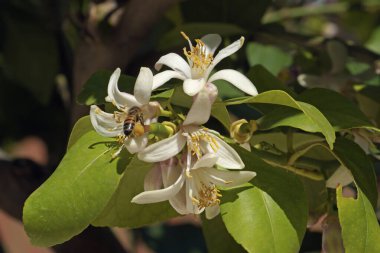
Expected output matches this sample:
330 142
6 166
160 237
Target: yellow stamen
208 196
197 55
196 137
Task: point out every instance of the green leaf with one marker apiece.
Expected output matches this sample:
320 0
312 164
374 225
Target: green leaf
94 91
121 212
81 127
278 97
287 116
265 81
341 112
31 54
273 211
174 38
220 112
75 193
271 57
217 238
350 155
353 157
360 228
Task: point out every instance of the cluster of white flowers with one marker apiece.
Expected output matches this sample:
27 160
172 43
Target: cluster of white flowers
193 162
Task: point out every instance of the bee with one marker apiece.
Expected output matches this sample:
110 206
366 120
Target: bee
134 122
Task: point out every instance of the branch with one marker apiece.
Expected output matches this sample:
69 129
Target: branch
120 48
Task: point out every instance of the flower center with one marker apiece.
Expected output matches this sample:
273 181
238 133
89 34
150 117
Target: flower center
198 57
208 195
194 142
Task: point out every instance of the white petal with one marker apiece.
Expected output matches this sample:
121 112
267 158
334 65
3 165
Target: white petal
159 195
225 52
228 157
120 99
143 85
175 62
104 123
178 202
206 161
212 211
237 79
342 176
212 42
192 86
164 149
200 110
153 179
164 76
227 178
192 188
170 171
136 144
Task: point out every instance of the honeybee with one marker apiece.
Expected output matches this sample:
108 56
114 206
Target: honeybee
134 118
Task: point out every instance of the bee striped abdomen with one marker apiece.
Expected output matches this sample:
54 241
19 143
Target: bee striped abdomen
134 114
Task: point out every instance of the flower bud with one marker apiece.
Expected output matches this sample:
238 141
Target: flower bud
241 130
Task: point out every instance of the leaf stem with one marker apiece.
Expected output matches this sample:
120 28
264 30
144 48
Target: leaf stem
305 167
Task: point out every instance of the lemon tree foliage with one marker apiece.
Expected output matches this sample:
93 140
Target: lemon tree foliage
247 131
76 193
360 229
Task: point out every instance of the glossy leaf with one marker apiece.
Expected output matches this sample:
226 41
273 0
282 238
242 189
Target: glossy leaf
121 212
271 214
94 90
278 97
360 228
75 193
341 113
217 238
81 127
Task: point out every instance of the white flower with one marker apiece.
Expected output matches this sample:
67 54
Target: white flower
199 141
191 192
111 124
201 62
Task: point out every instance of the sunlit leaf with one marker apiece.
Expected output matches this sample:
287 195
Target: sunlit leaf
271 214
81 127
121 212
75 193
217 238
360 228
278 97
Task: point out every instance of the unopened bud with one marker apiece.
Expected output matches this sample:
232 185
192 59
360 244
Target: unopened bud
241 130
162 130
